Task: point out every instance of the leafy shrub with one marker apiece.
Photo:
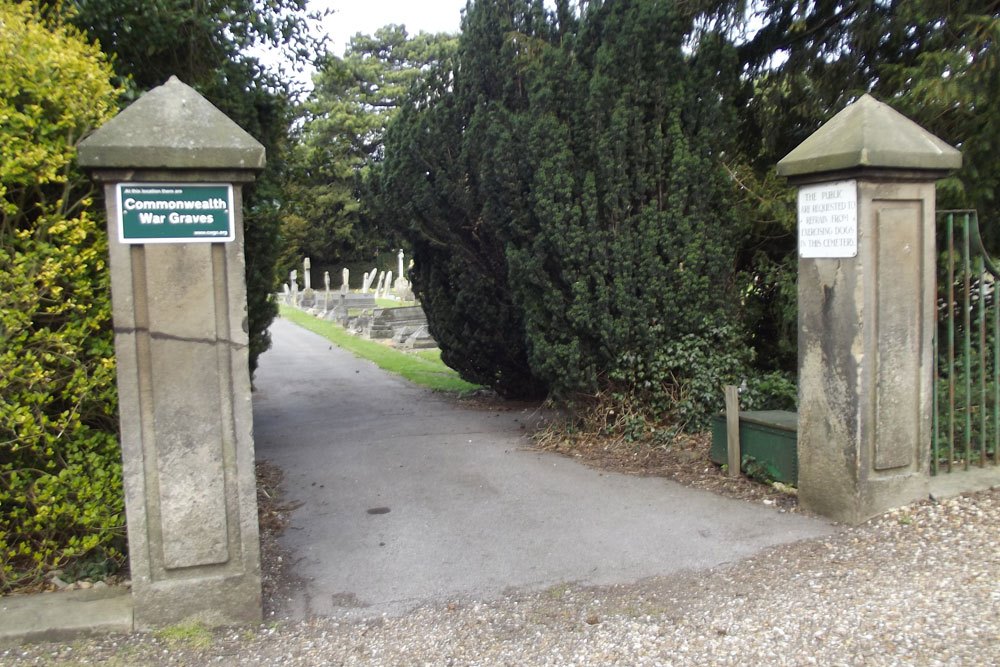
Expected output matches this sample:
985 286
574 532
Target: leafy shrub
61 501
682 382
769 391
622 259
761 471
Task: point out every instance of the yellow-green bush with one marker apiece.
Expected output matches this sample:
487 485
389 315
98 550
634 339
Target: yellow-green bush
60 468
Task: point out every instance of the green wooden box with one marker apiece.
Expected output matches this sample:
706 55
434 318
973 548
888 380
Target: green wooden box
769 436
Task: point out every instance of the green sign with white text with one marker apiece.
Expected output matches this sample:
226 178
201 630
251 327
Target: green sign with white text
175 213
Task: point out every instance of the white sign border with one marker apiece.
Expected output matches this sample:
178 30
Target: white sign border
811 253
228 238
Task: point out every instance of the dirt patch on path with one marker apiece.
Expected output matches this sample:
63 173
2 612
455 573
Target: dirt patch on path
277 570
684 460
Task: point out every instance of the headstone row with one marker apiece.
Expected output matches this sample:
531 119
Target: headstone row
385 287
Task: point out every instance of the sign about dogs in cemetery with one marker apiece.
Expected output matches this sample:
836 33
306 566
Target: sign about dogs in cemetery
175 213
828 220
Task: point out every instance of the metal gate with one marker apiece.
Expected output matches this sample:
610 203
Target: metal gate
966 349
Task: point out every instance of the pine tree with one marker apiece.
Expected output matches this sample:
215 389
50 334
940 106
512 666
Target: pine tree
343 124
438 188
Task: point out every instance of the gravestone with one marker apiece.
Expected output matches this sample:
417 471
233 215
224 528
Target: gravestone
181 345
308 294
420 339
866 289
402 286
401 333
369 279
337 314
387 286
387 322
326 290
356 301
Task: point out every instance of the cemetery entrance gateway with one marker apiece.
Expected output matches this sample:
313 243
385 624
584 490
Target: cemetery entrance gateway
967 349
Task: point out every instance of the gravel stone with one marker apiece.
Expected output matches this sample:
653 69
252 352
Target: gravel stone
917 586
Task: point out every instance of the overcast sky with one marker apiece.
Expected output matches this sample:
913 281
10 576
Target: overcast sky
350 17
365 16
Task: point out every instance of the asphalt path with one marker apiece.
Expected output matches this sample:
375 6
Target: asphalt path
409 497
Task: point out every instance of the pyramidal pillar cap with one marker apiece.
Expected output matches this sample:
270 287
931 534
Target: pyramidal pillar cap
171 127
869 136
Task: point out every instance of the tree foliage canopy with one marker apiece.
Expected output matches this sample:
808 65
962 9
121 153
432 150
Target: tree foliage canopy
433 186
341 136
206 45
933 60
579 181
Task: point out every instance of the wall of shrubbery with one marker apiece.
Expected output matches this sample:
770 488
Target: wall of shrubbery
60 487
61 503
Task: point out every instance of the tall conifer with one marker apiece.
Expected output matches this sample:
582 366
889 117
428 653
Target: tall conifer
629 241
583 219
437 188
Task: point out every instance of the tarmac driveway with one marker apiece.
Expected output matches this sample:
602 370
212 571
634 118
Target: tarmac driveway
409 497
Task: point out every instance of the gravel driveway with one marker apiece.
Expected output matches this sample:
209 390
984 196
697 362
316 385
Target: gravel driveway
917 586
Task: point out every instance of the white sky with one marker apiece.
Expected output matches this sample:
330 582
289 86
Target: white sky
366 16
350 17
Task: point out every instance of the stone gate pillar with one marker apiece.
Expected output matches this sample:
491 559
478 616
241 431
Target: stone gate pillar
172 166
866 289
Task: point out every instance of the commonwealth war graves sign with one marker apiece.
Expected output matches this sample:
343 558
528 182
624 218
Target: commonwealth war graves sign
175 213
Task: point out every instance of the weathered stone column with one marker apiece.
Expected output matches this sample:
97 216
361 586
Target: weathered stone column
172 166
866 289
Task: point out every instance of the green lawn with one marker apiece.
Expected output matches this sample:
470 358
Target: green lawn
423 368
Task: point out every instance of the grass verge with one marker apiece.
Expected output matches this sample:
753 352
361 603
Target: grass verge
425 370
